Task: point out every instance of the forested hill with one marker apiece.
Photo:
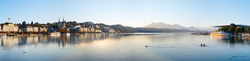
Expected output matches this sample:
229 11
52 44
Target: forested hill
123 29
127 29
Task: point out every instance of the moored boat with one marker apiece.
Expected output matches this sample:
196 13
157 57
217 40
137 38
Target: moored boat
55 34
66 34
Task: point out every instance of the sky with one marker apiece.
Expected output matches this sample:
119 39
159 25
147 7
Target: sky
135 13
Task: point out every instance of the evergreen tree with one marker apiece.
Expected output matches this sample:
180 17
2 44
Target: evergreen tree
237 30
24 23
31 23
242 29
248 30
37 24
223 29
226 29
231 29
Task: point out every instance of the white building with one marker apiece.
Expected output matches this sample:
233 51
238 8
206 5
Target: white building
79 29
74 27
82 29
98 30
91 30
109 29
42 29
35 29
26 28
85 29
9 27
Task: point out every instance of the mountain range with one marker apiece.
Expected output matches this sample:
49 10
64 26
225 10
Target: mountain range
176 26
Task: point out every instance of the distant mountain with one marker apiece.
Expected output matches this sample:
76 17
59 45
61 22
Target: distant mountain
164 25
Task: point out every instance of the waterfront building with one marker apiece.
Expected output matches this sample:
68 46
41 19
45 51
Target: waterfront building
26 28
42 29
85 29
98 30
76 26
109 29
35 29
0 28
9 27
96 27
79 29
91 30
82 29
19 30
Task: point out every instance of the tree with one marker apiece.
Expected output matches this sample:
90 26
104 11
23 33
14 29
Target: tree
87 25
221 29
24 23
37 24
61 30
242 29
225 29
48 23
237 30
18 24
231 29
248 29
31 23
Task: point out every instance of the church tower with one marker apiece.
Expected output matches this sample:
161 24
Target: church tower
63 23
59 24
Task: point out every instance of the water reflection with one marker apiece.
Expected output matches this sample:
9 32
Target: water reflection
230 39
12 41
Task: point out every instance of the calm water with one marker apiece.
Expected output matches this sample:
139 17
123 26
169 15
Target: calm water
126 47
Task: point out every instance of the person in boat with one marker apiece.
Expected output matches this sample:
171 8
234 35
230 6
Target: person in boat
201 44
204 45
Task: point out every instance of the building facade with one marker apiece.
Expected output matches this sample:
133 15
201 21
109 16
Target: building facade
26 28
42 29
9 27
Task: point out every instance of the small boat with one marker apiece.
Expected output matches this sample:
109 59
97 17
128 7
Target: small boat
10 34
66 34
55 34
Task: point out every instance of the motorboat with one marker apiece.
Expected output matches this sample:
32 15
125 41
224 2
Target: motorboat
55 34
66 34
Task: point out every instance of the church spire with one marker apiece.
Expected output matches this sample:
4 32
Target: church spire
59 22
63 18
59 19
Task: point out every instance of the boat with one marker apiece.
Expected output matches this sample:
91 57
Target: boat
10 34
55 34
66 34
221 33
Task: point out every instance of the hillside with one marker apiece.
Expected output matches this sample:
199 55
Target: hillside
169 26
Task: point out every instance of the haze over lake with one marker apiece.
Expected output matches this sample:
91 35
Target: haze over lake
126 46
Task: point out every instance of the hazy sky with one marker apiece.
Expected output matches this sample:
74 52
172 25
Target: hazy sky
198 13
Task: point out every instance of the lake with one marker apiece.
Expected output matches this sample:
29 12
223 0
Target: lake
124 47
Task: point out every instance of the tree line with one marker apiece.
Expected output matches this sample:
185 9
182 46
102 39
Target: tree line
233 29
